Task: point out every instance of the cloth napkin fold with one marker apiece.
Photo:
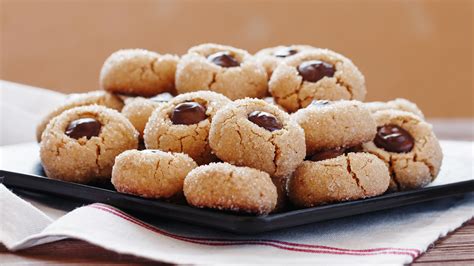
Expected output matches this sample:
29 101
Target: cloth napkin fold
394 236
21 108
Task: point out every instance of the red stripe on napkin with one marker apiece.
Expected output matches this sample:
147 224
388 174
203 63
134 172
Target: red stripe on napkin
290 246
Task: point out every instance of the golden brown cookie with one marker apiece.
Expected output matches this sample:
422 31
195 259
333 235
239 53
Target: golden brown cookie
318 74
81 99
408 146
270 100
281 184
346 177
139 72
138 109
80 145
335 124
254 133
397 104
182 125
151 173
227 187
224 69
273 56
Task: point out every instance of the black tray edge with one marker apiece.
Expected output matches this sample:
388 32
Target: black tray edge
241 224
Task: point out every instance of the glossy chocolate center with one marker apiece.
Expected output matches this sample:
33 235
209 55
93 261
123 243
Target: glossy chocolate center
188 113
223 59
315 70
83 127
393 138
285 52
265 120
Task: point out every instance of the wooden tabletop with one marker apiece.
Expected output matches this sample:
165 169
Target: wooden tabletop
454 249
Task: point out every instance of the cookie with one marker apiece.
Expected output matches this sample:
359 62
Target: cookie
271 57
397 104
224 69
254 133
318 74
281 184
139 72
81 99
347 177
138 109
151 173
80 145
227 187
335 124
270 100
408 146
182 125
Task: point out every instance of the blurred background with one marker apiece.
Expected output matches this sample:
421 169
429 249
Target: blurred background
420 50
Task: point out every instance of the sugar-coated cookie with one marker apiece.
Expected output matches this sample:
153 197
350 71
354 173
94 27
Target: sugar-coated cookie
80 145
227 187
139 72
281 184
81 99
138 109
224 69
317 74
408 146
182 125
271 57
347 177
254 133
270 100
335 124
397 104
151 173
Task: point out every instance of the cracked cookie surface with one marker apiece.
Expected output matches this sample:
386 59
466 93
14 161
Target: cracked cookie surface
227 187
85 159
151 173
163 134
81 99
281 184
335 124
237 140
139 72
347 177
244 78
417 167
397 104
271 57
293 92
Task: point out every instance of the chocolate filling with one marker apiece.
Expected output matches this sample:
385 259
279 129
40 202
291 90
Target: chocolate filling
393 138
83 127
223 59
265 120
315 70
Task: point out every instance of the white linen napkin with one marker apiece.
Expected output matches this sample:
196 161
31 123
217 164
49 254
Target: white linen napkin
21 108
394 236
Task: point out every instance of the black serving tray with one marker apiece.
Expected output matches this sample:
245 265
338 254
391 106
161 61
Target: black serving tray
236 223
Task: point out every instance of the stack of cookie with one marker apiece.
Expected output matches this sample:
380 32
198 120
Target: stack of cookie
232 131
